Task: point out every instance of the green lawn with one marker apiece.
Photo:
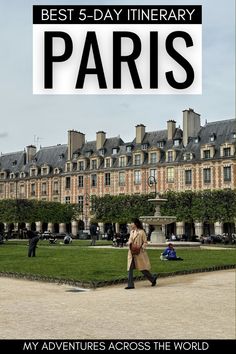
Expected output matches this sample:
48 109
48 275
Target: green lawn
80 263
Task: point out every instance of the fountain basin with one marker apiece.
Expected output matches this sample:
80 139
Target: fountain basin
158 236
158 220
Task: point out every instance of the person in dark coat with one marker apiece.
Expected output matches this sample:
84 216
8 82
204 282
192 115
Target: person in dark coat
93 233
33 240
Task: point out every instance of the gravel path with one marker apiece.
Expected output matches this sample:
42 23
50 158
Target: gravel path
195 306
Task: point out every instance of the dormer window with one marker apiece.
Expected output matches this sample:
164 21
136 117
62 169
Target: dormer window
137 159
107 162
44 171
2 175
208 151
234 135
196 140
188 156
102 152
14 163
75 156
206 154
160 144
122 161
81 165
56 171
61 156
88 153
12 175
94 164
170 156
176 142
144 146
212 137
114 151
22 174
68 167
128 148
227 151
153 157
33 172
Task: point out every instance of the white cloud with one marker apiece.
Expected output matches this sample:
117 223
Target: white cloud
49 117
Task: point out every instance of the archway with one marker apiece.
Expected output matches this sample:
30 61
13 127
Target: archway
2 228
56 228
109 231
21 228
81 225
208 229
190 231
44 226
170 230
33 226
68 227
229 228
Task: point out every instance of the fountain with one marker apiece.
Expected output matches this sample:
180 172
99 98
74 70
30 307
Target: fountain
157 220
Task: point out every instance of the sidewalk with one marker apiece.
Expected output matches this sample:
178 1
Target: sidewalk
195 306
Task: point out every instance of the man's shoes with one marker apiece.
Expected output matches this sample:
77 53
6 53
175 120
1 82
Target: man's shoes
129 287
154 282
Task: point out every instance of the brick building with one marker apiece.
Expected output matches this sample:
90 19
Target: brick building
195 157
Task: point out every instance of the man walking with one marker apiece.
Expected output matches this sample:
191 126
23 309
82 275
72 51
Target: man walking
33 240
93 233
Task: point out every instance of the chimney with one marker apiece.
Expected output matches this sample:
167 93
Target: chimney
100 139
191 124
30 153
140 132
75 141
171 126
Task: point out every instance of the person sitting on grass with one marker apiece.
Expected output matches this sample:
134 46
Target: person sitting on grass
67 240
52 240
170 254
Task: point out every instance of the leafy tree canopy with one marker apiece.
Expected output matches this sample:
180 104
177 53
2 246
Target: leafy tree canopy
23 210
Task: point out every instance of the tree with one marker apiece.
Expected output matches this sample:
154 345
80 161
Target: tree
122 208
18 210
179 204
202 206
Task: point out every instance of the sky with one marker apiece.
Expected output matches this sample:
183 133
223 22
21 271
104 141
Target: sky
43 120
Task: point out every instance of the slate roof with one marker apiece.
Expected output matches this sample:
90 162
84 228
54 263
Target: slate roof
56 156
223 132
12 162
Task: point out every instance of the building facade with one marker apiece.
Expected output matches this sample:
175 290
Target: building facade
192 158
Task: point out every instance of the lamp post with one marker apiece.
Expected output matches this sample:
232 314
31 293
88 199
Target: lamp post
87 198
152 181
16 223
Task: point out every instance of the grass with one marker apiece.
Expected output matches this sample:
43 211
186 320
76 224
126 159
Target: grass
79 263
